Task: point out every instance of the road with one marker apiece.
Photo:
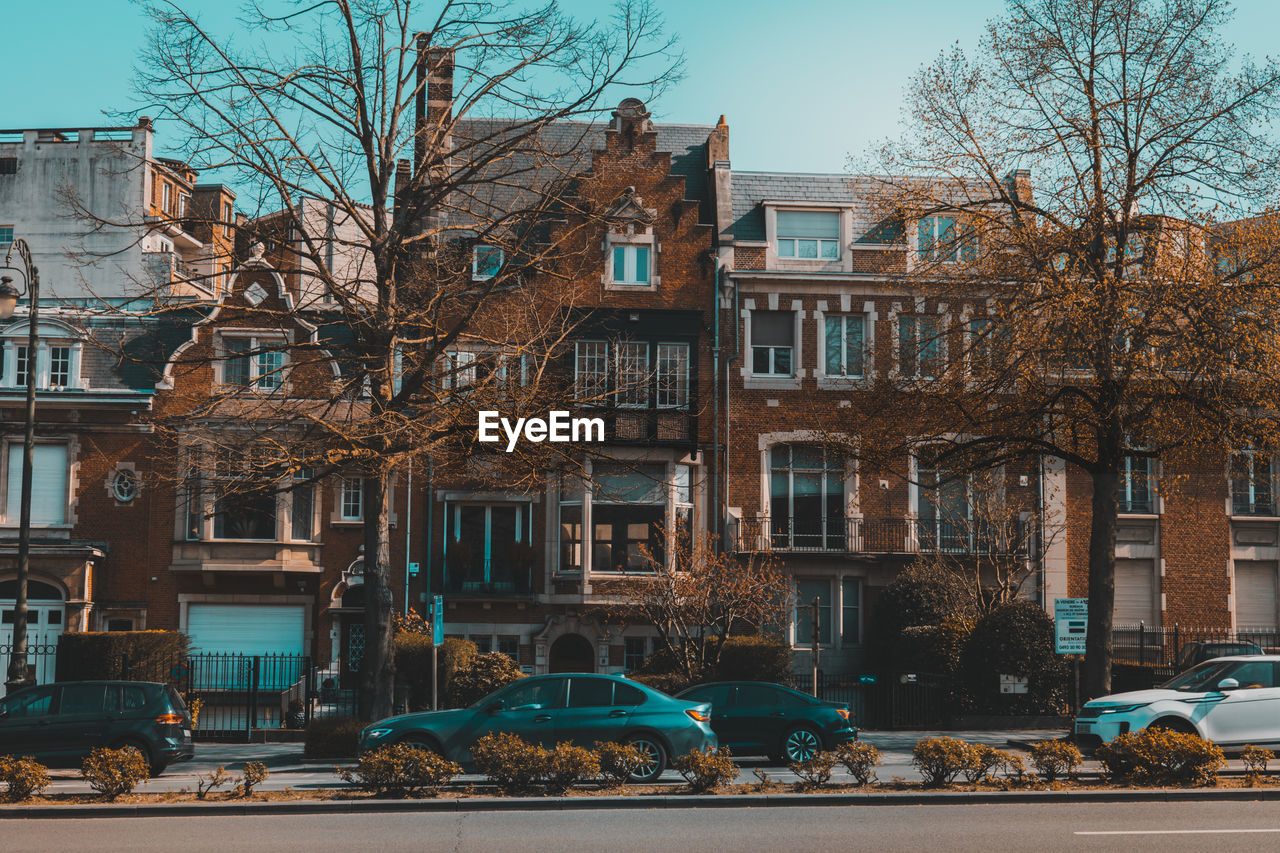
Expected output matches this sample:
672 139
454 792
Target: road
1219 827
288 769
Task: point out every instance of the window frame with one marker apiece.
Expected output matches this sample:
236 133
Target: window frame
863 350
771 351
630 252
821 244
260 347
347 487
490 250
1126 503
938 342
1250 507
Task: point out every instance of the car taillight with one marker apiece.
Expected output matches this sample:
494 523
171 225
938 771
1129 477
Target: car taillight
843 712
169 719
699 716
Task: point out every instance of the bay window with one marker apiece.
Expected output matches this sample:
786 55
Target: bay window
629 511
673 376
488 547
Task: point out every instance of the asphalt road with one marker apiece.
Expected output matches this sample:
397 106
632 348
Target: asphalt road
1219 827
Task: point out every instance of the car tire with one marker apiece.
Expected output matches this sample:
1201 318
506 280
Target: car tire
656 755
800 744
1173 724
423 743
155 768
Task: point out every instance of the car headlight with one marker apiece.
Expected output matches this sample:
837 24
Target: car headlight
376 733
1122 709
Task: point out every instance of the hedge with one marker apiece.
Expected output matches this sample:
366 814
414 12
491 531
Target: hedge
120 655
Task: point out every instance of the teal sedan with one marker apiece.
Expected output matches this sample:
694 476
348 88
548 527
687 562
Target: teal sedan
548 709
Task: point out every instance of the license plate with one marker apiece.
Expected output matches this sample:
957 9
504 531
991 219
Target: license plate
1084 728
186 733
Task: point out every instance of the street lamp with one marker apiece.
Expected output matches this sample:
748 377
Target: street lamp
17 675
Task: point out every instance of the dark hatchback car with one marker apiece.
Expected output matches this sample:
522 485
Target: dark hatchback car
59 724
759 718
547 709
1199 651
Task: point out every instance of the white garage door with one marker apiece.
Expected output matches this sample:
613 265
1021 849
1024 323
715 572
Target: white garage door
247 629
1255 594
1136 593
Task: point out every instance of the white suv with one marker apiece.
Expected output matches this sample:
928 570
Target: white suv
1232 701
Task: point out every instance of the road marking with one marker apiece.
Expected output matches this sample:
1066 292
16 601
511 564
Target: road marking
1177 832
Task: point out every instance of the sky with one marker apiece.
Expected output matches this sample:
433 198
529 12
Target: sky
803 83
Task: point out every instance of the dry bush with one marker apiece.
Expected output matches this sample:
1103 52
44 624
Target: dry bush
214 779
617 762
941 759
814 772
114 772
23 777
1054 759
705 771
860 759
253 774
1161 756
1256 759
567 765
400 770
513 765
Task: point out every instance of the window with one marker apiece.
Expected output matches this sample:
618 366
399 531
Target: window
571 534
352 499
228 224
59 366
509 645
809 234
461 366
942 504
806 592
630 265
1252 484
772 342
8 165
806 498
119 624
850 611
988 347
629 508
845 344
633 374
919 346
585 692
302 509
485 262
124 486
49 477
487 547
6 235
533 694
591 371
250 362
20 366
940 239
673 376
1135 493
248 515
32 702
166 197
634 652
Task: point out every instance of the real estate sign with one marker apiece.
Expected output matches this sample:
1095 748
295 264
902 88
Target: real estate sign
1070 619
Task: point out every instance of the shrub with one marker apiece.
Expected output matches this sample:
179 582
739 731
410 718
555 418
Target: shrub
508 762
941 759
23 777
984 761
670 683
754 658
618 761
252 775
214 779
705 771
113 772
860 759
334 737
413 663
1161 756
1256 759
480 677
1015 639
112 655
815 771
567 765
932 648
922 594
401 770
1054 759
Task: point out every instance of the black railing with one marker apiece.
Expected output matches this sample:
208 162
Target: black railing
836 534
466 580
41 662
887 700
648 426
1156 645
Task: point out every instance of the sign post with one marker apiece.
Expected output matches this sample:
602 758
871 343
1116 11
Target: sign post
437 637
1071 624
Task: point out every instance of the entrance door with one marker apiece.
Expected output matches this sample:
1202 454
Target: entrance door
572 653
45 611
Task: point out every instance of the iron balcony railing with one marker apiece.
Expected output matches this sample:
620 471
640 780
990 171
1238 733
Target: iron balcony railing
838 535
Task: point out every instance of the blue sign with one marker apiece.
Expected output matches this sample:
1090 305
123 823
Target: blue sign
866 679
437 621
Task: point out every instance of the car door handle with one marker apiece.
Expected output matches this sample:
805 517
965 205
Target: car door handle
618 713
777 714
542 718
45 723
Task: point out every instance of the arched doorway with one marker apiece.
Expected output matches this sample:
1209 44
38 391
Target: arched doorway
352 635
45 610
571 653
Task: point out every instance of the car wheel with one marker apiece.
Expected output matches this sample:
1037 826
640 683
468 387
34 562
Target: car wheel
655 759
422 743
1173 724
801 744
155 768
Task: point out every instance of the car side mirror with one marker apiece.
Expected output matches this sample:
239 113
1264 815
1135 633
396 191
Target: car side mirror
495 706
1228 684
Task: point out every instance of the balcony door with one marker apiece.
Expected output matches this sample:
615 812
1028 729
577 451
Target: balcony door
486 548
806 496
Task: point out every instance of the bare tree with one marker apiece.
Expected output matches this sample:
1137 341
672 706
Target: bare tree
418 175
1089 293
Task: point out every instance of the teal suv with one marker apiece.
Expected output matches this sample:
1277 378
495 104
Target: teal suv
548 709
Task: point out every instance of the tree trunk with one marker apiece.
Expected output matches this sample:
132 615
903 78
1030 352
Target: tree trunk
378 670
1102 586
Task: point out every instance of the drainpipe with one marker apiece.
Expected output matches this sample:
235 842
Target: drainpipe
408 535
715 403
733 356
431 503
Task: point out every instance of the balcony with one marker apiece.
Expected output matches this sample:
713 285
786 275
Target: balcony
836 535
485 580
650 426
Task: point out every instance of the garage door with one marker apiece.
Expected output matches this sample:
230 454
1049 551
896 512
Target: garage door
246 629
1255 594
1136 593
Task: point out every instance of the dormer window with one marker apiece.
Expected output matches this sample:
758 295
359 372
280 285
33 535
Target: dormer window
485 262
57 361
809 234
253 362
941 238
630 265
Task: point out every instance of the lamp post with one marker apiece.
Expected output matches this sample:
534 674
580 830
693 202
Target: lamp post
17 677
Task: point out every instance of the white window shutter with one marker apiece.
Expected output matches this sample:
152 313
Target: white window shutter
48 484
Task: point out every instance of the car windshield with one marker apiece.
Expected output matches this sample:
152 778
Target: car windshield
1205 677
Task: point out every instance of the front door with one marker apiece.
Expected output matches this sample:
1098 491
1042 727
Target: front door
352 650
571 653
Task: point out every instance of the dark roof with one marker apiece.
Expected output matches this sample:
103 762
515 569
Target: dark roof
751 188
145 356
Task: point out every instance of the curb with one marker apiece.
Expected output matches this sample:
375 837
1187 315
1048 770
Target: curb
688 801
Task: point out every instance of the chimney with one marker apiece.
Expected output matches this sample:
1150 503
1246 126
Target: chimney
718 144
435 99
1018 183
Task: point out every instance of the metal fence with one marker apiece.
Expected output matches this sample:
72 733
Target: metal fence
41 661
1149 645
894 701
